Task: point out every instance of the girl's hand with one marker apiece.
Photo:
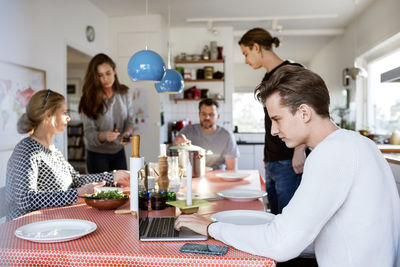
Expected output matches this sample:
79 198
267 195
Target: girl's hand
126 138
89 188
108 136
122 178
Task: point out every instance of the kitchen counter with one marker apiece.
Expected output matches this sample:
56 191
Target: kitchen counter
389 148
249 143
392 157
391 153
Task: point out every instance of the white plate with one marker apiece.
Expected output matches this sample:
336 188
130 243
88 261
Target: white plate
55 230
208 169
242 195
232 176
243 217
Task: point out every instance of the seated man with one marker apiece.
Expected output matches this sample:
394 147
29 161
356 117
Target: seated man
210 136
347 203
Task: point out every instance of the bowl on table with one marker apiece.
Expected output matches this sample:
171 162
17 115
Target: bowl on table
105 204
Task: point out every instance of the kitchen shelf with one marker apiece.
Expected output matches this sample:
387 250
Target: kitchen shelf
196 99
204 80
217 86
202 61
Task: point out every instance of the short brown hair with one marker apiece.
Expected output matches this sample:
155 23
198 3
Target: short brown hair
259 36
296 85
208 102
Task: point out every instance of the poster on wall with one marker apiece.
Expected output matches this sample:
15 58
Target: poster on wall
140 109
17 85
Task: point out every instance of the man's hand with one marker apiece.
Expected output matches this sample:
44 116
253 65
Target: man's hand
299 158
231 164
194 222
89 188
179 140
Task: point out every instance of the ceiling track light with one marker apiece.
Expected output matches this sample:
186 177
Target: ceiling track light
265 18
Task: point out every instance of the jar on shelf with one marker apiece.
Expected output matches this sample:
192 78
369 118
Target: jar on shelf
206 53
208 72
187 74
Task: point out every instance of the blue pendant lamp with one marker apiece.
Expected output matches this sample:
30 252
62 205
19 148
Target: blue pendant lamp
146 65
172 82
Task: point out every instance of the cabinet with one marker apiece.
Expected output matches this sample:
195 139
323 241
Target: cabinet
76 145
216 87
251 158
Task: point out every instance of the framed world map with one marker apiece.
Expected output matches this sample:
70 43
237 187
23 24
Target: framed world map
17 85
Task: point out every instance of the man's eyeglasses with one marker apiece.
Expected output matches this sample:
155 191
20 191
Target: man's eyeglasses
207 114
47 97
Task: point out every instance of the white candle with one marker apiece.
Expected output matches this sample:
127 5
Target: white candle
188 184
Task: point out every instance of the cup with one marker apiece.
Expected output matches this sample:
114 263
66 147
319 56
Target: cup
158 201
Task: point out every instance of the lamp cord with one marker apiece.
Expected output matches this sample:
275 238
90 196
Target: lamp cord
169 41
147 14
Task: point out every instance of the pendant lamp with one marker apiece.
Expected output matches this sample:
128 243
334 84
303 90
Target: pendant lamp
172 82
146 65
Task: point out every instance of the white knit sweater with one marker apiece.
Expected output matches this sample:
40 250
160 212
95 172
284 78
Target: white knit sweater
347 203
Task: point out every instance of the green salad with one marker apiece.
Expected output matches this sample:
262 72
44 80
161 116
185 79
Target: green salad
107 195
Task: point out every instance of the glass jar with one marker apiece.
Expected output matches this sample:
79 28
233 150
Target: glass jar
208 72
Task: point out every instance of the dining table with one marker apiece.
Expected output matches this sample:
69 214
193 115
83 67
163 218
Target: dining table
115 241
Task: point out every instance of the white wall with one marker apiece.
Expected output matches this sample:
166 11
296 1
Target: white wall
378 22
129 35
35 33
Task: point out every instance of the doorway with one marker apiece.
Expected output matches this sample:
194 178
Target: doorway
77 63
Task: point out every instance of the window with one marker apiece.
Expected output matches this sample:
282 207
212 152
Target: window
383 98
248 113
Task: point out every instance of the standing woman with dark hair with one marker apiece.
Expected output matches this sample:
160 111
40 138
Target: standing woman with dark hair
283 165
107 116
38 175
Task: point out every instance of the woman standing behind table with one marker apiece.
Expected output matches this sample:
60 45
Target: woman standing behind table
38 175
283 165
106 112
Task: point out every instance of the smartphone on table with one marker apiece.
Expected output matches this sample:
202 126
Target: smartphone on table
204 249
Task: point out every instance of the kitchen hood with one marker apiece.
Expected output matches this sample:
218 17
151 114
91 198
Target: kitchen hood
391 75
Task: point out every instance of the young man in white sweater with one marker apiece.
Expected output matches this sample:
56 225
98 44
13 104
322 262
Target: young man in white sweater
347 203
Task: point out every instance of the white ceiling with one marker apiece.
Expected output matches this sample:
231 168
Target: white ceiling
244 15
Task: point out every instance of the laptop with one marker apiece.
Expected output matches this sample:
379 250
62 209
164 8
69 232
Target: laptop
160 228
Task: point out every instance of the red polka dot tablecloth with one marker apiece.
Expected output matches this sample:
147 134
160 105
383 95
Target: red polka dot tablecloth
114 242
